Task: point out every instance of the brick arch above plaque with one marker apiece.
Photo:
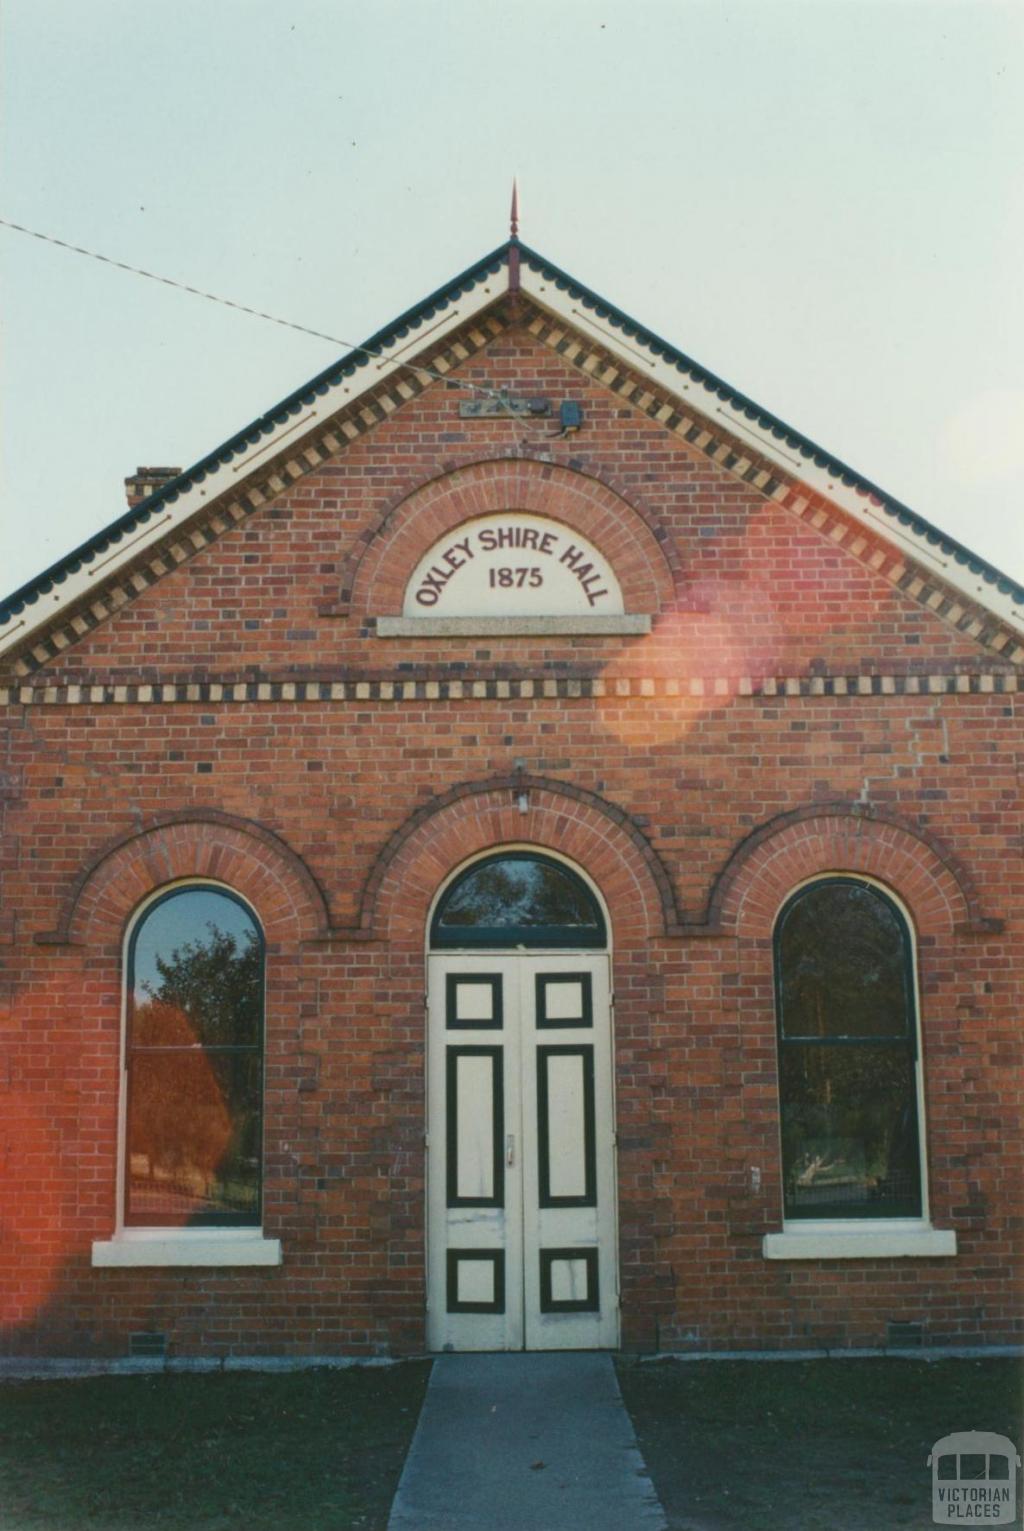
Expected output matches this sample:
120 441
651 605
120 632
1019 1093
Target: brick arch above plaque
513 564
513 547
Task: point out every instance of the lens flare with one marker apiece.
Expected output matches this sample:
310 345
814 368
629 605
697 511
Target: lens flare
725 636
32 1243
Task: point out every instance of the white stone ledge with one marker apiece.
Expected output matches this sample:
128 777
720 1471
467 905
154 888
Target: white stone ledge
847 1353
860 1244
159 1246
510 627
42 1368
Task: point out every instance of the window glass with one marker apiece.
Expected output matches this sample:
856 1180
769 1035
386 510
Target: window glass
847 1055
195 1018
843 965
849 1134
518 899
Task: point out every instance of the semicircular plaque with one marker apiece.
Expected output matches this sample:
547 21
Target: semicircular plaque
513 565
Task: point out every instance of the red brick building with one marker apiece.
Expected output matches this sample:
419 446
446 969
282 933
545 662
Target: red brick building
518 847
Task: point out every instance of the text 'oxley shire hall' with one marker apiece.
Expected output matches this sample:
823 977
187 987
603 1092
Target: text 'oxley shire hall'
518 848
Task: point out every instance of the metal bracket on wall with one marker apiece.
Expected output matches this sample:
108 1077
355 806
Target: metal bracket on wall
485 409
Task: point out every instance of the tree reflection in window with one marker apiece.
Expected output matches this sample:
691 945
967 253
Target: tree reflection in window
847 1054
194 1062
518 899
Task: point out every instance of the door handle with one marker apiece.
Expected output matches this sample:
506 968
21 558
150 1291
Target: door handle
510 1150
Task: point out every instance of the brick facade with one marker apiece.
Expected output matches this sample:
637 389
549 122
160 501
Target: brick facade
797 709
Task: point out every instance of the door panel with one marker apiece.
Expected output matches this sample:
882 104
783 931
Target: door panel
569 1187
521 1180
475 1298
567 1174
475 1105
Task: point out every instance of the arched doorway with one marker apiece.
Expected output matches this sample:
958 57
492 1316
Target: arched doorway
521 1156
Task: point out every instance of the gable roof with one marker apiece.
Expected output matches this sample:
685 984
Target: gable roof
387 354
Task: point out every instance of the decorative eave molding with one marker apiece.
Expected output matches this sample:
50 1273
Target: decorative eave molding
705 690
292 439
792 454
871 543
145 562
339 406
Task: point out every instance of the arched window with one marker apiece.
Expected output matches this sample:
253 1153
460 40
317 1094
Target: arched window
193 1059
518 898
848 1057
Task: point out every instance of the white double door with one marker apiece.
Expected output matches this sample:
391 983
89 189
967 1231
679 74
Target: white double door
521 1159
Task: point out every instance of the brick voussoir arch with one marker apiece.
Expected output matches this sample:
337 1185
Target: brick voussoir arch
845 838
485 815
202 843
639 548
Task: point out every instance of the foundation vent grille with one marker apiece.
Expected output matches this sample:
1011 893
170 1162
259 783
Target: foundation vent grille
904 1336
146 1343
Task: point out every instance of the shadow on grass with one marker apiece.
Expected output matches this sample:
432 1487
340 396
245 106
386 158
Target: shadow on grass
808 1445
299 1452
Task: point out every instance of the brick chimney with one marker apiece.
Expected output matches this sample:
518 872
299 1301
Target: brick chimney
146 481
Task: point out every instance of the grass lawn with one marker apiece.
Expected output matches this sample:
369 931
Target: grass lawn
815 1445
297 1452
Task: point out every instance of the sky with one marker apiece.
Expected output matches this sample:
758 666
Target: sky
822 202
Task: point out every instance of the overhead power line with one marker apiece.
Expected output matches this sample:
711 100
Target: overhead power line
243 308
197 292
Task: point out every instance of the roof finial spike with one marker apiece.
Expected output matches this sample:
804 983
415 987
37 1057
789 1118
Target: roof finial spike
514 221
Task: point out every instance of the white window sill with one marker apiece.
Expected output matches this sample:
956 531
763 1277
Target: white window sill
510 627
859 1241
174 1246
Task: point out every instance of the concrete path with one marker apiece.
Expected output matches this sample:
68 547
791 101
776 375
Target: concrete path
537 1442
